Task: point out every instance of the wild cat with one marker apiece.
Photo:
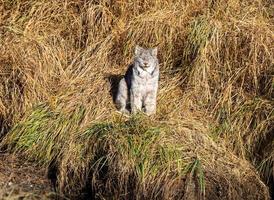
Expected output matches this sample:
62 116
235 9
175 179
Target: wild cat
138 88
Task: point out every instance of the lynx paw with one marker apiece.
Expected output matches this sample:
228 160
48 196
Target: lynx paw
124 112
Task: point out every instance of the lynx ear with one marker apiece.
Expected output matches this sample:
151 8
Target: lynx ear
138 50
154 51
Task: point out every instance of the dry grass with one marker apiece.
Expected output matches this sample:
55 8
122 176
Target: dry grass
59 62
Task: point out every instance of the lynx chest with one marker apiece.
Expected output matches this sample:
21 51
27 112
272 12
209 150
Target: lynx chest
145 81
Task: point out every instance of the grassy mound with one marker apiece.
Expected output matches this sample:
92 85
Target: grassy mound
59 67
137 157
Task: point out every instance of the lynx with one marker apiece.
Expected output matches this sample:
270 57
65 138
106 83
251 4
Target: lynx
138 88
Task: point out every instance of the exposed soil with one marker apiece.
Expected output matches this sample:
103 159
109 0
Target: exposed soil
21 180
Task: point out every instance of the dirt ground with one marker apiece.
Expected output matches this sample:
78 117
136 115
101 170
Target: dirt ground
21 180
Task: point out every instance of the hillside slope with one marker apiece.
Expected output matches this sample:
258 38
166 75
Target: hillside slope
212 136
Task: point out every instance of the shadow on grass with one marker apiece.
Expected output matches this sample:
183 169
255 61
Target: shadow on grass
114 80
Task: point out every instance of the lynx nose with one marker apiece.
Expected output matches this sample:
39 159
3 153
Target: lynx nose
145 63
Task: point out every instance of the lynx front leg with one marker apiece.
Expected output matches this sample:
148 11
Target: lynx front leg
135 101
150 103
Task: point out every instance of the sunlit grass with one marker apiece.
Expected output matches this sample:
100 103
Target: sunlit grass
215 96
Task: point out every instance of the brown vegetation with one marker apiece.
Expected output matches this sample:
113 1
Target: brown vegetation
22 180
213 132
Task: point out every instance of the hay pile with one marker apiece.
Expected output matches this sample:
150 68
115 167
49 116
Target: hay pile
59 66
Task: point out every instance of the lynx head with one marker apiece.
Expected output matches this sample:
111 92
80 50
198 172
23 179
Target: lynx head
146 57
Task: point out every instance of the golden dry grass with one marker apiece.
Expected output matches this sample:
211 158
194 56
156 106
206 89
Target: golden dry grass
59 63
